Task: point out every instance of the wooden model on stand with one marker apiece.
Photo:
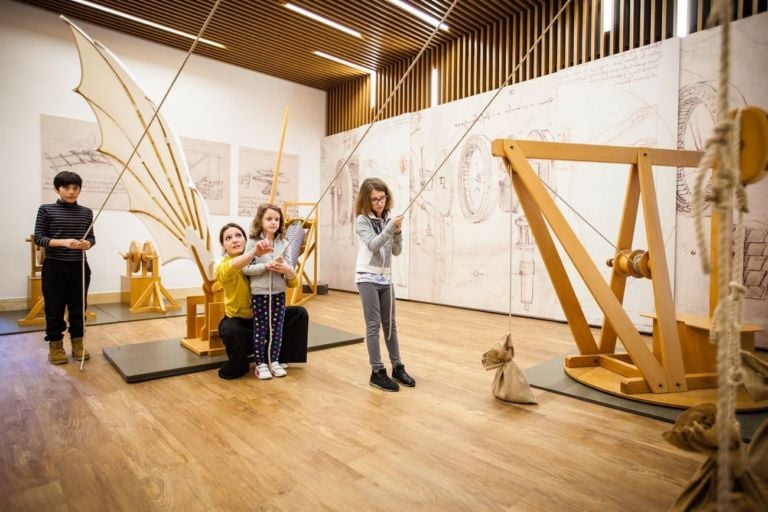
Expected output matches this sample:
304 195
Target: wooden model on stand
35 301
140 287
679 368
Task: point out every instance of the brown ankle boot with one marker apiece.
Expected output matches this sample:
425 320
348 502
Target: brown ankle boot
77 350
56 354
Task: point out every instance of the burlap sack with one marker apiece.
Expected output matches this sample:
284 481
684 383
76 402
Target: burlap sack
696 430
510 383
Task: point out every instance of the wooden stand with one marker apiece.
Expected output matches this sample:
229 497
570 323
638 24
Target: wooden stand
677 370
203 326
307 286
144 292
35 301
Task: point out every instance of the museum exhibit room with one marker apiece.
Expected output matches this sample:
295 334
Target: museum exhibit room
418 255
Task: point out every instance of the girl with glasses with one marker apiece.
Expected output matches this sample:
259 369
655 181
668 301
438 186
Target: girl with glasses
380 238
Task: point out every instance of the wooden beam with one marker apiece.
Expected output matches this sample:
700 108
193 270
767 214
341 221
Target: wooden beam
671 353
625 329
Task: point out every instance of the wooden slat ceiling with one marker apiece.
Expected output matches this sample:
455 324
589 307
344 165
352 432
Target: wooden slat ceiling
265 36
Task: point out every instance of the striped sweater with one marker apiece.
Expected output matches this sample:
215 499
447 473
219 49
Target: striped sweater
62 220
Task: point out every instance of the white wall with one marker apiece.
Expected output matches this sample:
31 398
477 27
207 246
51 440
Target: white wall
39 67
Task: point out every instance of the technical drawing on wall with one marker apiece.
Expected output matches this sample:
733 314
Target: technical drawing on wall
71 145
460 223
383 154
697 109
254 180
209 165
698 79
460 255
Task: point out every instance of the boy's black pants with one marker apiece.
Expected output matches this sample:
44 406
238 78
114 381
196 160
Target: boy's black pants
62 285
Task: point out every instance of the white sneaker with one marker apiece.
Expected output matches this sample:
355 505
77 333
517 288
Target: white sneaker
277 370
262 372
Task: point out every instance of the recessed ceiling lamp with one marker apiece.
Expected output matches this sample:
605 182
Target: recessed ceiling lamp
682 18
321 19
419 14
147 23
343 62
607 15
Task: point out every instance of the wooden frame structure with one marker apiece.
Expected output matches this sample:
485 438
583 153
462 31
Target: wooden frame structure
679 368
296 295
144 293
35 300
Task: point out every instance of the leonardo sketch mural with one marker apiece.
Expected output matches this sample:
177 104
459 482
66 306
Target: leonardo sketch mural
459 226
70 145
698 79
254 179
384 153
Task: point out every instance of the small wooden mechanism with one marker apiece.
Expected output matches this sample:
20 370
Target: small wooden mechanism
306 243
140 287
678 368
35 301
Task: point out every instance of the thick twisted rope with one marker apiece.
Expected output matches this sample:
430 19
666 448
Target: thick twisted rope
727 193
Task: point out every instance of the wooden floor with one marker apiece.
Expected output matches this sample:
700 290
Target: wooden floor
321 438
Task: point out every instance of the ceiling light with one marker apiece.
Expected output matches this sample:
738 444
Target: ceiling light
326 21
682 18
607 15
419 14
343 62
148 23
434 97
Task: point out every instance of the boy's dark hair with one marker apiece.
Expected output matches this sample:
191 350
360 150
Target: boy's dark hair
363 203
67 178
226 227
257 230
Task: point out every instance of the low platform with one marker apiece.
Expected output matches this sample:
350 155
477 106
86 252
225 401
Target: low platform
105 314
165 358
550 376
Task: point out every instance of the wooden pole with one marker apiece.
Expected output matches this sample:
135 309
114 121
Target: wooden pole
276 173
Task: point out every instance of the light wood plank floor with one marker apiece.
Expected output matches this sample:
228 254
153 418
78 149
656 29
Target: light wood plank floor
321 438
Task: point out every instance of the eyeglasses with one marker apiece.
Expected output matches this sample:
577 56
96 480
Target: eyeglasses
379 200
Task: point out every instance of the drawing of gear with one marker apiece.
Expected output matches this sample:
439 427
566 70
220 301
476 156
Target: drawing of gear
475 179
695 120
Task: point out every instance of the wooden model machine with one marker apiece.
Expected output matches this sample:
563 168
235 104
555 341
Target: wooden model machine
140 287
679 368
35 301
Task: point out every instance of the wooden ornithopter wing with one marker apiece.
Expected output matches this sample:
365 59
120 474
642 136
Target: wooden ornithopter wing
159 186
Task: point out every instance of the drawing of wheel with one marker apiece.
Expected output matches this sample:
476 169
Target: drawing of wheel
696 117
695 120
475 179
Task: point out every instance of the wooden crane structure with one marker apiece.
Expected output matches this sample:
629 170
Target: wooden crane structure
678 368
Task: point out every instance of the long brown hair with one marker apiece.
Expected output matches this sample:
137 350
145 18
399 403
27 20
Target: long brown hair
363 203
257 230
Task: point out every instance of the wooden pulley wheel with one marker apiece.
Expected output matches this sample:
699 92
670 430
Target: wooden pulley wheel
754 144
134 256
148 254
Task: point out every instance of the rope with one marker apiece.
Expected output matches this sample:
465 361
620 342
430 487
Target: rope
379 113
488 104
136 149
727 192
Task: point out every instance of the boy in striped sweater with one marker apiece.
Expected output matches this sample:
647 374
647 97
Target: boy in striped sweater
61 228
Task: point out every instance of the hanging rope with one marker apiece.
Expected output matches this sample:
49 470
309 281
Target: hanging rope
136 149
487 105
722 154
